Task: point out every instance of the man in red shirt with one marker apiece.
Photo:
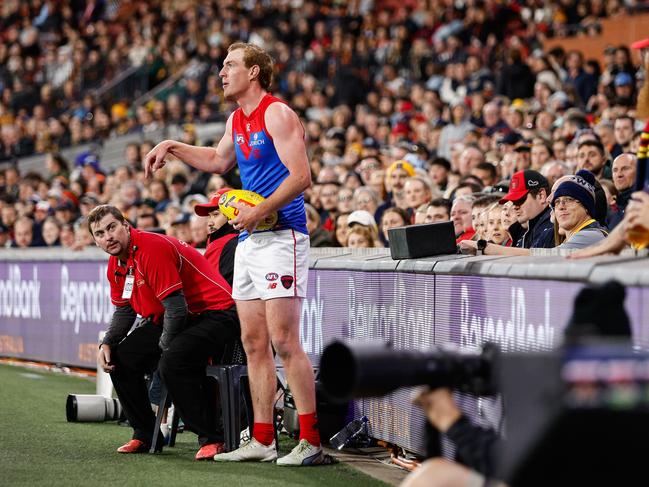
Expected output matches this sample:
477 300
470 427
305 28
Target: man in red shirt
221 241
188 316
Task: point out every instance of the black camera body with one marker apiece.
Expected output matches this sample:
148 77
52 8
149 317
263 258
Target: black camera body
366 369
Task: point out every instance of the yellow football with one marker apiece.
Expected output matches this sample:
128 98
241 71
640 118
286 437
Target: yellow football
248 198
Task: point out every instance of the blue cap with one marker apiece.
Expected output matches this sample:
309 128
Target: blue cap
181 219
623 79
87 158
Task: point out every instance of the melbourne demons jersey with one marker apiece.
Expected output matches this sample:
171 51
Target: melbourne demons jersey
260 167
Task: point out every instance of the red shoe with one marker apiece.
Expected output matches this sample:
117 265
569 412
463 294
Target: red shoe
208 451
134 446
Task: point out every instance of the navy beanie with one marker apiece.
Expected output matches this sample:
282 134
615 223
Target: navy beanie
581 187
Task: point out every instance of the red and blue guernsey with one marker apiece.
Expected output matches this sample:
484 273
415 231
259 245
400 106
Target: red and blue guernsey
260 167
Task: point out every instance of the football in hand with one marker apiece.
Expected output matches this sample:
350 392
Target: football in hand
248 198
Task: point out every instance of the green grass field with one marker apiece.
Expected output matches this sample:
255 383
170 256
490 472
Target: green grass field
39 447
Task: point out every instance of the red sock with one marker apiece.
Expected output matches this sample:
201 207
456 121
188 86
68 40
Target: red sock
264 433
309 428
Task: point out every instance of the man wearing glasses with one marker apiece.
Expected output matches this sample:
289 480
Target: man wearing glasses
573 202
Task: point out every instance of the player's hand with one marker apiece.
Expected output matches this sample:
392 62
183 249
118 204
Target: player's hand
247 219
155 159
103 358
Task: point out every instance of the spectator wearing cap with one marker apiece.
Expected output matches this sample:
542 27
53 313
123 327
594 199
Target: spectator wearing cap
395 179
624 88
64 212
591 156
365 219
573 202
221 241
623 132
624 176
180 228
509 141
528 191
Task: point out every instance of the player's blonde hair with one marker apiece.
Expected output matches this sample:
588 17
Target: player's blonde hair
255 55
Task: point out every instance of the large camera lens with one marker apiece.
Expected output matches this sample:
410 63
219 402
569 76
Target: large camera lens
81 408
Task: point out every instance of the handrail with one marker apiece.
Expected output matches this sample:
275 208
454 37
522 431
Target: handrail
100 91
170 81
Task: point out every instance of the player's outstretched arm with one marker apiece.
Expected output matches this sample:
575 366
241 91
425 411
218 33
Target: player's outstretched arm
208 159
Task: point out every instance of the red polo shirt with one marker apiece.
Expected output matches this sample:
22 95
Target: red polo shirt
162 265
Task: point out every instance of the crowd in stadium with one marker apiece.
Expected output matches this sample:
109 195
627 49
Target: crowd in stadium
414 112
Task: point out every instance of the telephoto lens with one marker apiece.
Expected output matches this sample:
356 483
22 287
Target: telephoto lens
92 408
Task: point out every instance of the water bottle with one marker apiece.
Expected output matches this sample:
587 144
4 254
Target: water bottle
340 439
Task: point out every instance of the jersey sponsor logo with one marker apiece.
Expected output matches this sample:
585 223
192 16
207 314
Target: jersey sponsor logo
256 140
248 127
272 276
287 281
139 282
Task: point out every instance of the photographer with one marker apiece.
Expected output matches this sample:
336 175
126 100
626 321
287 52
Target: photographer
476 446
598 313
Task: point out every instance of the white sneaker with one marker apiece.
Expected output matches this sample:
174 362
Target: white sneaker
302 455
250 451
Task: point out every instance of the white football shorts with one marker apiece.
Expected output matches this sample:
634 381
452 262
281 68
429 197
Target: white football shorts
271 265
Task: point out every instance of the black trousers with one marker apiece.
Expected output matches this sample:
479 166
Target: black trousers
182 368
